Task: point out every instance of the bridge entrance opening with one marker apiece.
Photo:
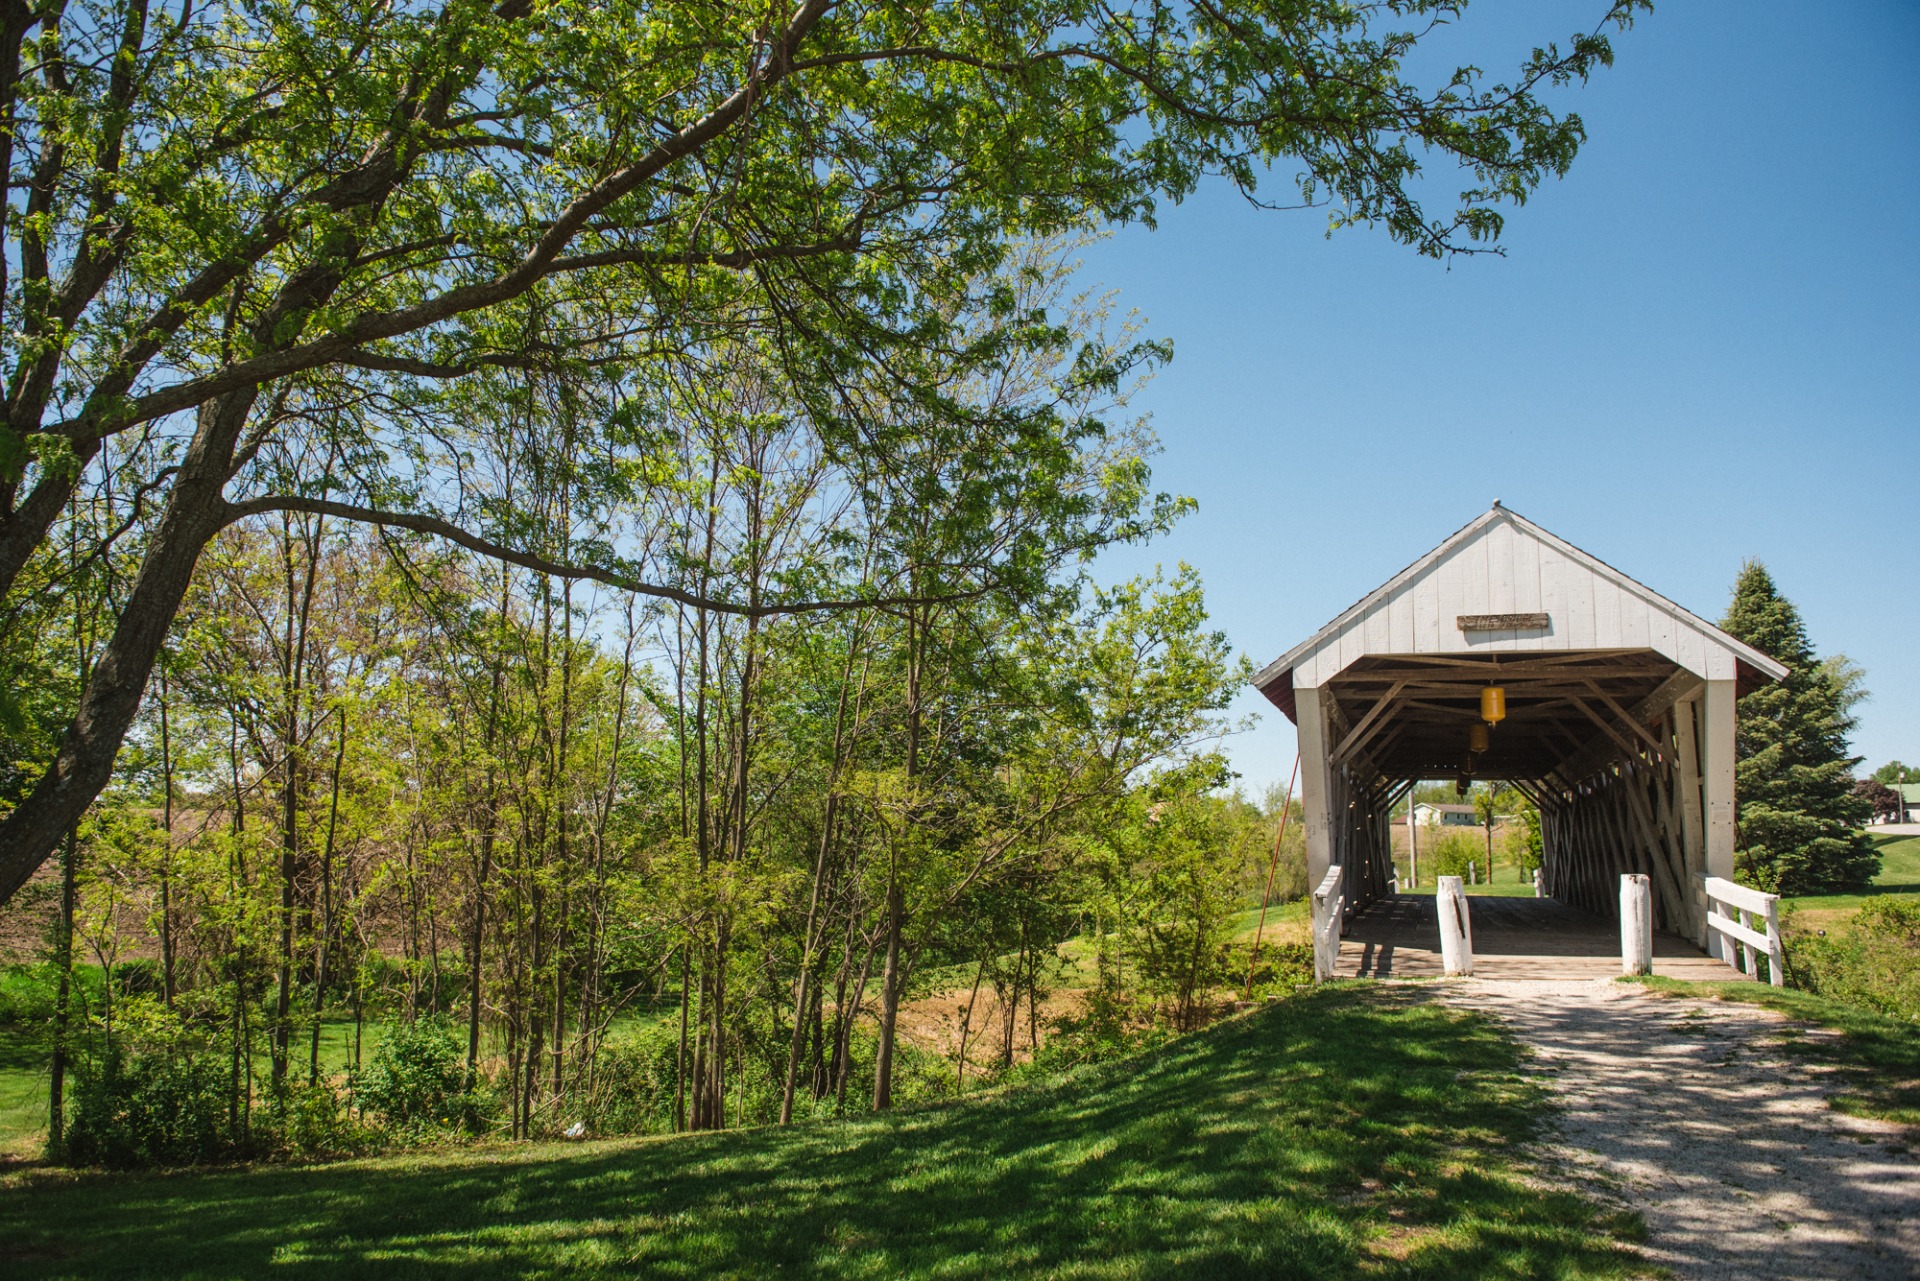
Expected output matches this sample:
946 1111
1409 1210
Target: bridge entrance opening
1507 654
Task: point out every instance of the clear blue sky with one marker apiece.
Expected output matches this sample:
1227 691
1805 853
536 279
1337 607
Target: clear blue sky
1703 345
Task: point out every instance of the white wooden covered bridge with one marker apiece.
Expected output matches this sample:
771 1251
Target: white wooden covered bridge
1509 654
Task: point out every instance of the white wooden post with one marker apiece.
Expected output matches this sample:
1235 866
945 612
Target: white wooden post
1716 769
1329 911
1313 783
1473 875
1413 845
1636 924
1776 950
1539 891
1456 928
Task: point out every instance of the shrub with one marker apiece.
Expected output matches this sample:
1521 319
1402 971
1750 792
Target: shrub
633 1081
155 1108
1872 962
418 1080
1281 968
1450 854
1525 843
28 993
314 1120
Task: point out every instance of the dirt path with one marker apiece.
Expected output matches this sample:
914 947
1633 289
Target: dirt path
1693 1114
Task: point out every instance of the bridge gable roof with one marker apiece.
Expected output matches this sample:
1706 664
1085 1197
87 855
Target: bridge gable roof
1503 584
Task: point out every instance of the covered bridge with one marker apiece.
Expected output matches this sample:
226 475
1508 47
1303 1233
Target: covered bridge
1509 654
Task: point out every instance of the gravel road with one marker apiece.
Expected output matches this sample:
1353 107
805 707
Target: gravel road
1692 1113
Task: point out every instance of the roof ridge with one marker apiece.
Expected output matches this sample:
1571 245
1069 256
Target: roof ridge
1285 663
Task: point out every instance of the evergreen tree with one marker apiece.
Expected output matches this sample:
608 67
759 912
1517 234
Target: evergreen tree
1799 828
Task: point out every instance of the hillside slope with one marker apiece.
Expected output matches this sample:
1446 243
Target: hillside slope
1352 1131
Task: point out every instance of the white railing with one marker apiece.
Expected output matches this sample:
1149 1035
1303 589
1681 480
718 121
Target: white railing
1734 938
1329 907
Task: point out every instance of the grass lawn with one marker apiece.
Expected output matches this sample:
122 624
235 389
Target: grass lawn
1880 1055
1899 874
1501 888
1357 1130
23 1097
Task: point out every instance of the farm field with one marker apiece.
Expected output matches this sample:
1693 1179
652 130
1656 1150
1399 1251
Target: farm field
1340 1133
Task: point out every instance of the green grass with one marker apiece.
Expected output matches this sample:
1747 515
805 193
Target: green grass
1358 1130
1498 889
23 1096
1879 1056
1505 882
1283 920
1899 874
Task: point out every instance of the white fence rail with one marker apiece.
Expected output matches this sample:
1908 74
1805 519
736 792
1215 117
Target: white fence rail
1329 909
1742 926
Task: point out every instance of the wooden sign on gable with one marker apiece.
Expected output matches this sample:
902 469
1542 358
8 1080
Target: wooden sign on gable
1503 622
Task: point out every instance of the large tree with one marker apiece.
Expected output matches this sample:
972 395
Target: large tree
251 250
1799 824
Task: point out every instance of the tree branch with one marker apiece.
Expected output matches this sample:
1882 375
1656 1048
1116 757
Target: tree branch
562 569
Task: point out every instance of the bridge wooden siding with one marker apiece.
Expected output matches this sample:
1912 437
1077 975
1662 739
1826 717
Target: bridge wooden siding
1619 726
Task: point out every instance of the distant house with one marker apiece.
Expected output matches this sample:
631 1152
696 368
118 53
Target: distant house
1900 803
1429 815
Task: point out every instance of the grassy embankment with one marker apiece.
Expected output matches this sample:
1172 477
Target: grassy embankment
1354 1131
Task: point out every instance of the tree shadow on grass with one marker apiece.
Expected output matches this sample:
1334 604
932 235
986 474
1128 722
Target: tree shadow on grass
1355 1131
1879 1054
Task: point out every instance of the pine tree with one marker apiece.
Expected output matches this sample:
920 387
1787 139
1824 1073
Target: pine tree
1799 824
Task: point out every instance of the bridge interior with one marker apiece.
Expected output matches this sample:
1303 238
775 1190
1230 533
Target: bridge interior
1604 743
1398 937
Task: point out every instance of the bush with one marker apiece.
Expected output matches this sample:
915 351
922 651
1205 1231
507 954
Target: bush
156 1108
633 1081
1525 843
418 1080
314 1120
1449 855
28 993
1872 962
1281 968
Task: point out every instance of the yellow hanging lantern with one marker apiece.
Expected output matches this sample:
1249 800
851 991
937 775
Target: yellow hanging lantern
1493 704
1477 738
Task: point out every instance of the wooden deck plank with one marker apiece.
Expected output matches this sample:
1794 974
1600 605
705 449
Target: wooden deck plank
1513 938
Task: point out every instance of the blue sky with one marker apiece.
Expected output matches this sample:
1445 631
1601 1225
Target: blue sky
1703 345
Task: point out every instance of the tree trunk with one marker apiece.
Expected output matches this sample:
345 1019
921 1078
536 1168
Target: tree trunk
321 968
966 1023
889 1001
167 986
63 957
194 513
